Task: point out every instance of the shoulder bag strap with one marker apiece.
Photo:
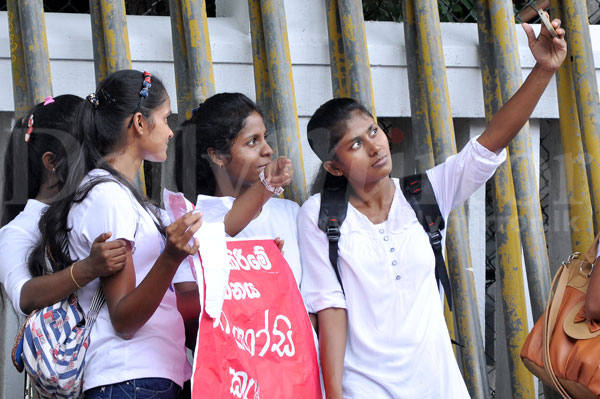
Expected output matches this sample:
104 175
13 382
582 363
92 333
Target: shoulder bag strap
97 303
332 212
418 191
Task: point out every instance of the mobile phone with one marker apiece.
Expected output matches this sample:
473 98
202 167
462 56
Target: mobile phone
545 21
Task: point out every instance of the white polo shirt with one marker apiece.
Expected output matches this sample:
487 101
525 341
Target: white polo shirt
398 344
157 349
17 239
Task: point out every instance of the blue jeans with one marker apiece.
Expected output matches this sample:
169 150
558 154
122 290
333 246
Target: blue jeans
142 388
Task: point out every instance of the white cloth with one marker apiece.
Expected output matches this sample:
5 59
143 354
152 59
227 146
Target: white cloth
398 344
277 219
184 273
17 239
157 349
214 267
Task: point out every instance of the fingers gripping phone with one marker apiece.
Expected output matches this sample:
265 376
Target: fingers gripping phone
545 21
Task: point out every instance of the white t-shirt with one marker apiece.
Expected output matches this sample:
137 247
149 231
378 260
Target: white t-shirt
277 219
157 349
17 239
398 344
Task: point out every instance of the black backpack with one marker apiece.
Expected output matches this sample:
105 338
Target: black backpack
418 192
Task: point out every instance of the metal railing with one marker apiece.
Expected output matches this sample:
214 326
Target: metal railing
458 10
133 7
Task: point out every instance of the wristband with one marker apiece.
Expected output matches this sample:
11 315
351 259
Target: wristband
268 186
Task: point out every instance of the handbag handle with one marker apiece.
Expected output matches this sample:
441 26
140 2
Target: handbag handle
557 292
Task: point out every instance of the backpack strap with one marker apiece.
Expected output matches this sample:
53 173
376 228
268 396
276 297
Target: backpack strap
418 191
334 205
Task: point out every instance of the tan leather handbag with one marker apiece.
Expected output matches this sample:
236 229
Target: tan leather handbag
563 348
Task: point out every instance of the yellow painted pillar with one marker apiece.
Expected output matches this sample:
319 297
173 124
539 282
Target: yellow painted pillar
575 22
578 191
194 76
501 77
32 80
283 98
434 138
339 71
417 86
356 54
109 37
260 60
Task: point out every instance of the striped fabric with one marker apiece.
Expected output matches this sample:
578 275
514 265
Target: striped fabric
54 342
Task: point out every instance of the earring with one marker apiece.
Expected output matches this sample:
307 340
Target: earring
53 170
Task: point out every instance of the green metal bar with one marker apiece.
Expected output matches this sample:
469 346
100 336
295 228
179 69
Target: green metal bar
416 86
578 192
533 237
116 37
282 91
17 55
508 258
194 77
109 37
432 72
184 104
35 50
586 91
99 48
508 245
201 78
356 52
180 63
337 57
420 119
262 84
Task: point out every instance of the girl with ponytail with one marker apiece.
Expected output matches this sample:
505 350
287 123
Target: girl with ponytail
40 155
137 342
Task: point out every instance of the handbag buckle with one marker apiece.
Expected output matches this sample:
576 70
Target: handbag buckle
574 255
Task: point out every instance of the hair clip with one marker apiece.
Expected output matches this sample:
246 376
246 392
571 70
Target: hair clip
29 129
146 84
92 99
48 100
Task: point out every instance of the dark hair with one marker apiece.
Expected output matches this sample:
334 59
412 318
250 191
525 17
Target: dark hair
23 167
99 124
214 124
326 128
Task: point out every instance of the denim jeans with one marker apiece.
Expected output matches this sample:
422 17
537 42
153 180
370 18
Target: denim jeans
142 388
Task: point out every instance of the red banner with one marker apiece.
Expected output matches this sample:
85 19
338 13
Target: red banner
262 346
